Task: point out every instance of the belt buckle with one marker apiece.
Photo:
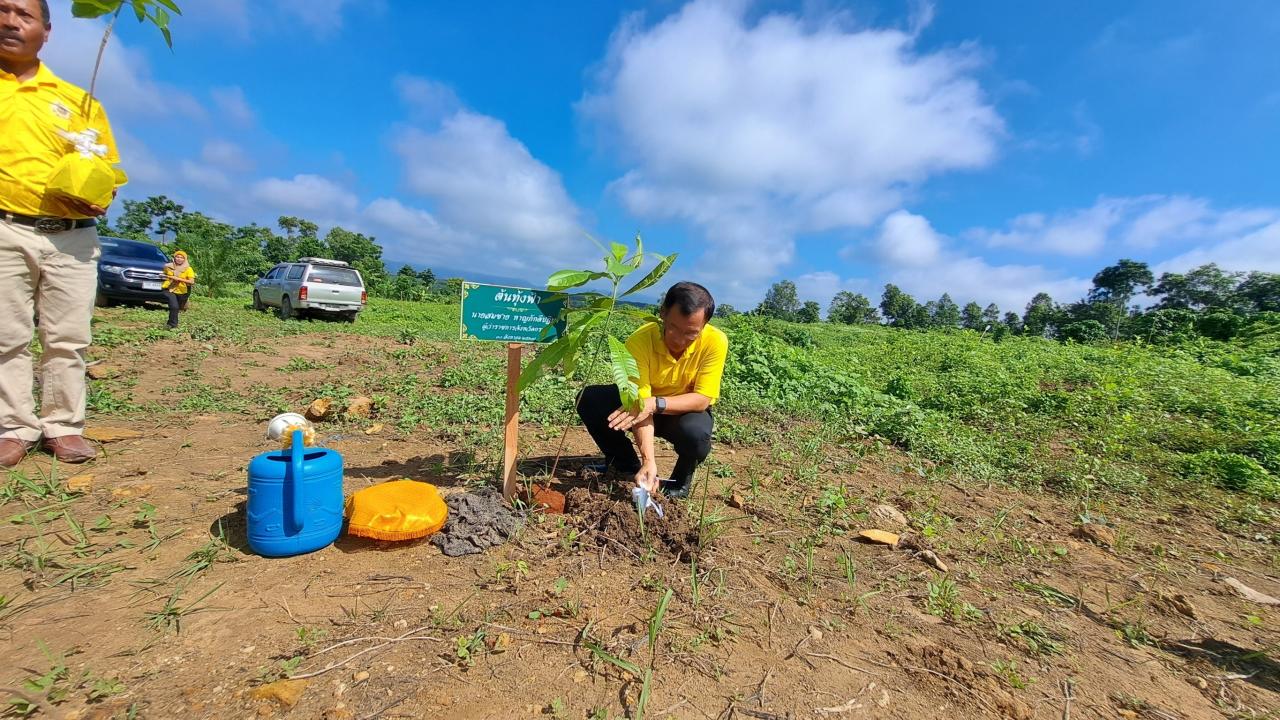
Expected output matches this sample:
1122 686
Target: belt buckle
51 225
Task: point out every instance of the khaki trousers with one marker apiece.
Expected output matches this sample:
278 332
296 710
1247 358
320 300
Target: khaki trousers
54 276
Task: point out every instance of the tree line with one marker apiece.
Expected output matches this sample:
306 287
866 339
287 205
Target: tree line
1206 301
226 254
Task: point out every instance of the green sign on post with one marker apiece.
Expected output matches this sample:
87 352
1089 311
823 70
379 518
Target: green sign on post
508 314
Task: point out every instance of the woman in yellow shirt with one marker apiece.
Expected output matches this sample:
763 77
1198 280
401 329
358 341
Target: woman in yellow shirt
179 278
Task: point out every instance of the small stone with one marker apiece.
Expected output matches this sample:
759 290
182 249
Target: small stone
359 407
101 372
135 490
1128 714
889 515
1199 682
497 643
80 483
879 537
1249 593
737 501
285 692
360 676
932 558
319 409
815 634
373 429
580 676
1183 604
400 624
1096 534
104 434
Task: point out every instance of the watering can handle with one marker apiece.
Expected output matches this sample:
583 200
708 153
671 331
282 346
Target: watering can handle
296 453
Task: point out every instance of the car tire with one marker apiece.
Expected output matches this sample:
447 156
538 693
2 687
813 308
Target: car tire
257 302
350 317
286 308
101 300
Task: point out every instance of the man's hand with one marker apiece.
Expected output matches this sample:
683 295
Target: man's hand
624 419
80 207
647 478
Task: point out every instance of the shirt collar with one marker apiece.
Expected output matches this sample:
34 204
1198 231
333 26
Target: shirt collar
43 76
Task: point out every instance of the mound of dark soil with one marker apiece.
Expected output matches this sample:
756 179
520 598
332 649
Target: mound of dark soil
612 522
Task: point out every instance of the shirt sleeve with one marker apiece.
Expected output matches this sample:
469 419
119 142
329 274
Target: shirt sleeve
711 366
638 344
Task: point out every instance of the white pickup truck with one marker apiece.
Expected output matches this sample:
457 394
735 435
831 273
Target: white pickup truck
312 285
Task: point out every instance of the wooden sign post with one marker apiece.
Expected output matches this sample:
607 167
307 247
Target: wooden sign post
515 316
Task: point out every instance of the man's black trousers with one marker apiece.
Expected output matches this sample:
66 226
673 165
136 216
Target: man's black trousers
690 433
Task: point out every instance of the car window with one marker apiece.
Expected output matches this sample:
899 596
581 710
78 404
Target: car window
295 272
276 272
334 276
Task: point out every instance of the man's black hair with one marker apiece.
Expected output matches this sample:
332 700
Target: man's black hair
44 11
690 297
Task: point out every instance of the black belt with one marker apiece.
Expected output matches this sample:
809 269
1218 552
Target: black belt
46 224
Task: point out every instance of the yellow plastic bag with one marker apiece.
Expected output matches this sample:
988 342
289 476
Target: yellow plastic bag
84 173
396 510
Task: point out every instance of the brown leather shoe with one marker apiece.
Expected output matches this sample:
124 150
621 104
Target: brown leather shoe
70 449
12 450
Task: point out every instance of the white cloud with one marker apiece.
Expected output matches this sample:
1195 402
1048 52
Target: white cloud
125 85
226 155
756 132
927 264
908 240
306 194
1255 250
232 105
822 286
488 188
427 98
204 177
323 18
1127 224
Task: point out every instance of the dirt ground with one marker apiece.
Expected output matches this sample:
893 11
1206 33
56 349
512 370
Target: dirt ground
112 573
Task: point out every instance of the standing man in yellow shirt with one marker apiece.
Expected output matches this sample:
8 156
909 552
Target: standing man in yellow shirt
48 244
681 362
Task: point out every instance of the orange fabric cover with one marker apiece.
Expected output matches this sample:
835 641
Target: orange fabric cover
396 510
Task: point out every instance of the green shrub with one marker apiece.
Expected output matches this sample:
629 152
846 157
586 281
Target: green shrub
1231 471
1085 331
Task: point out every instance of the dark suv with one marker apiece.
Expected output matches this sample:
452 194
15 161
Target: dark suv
129 270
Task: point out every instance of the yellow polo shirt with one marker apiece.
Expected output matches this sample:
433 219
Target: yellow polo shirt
698 370
31 113
177 288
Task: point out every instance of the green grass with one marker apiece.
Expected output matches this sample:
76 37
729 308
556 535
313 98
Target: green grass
1024 411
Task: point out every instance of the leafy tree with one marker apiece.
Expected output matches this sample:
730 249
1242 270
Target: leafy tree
279 248
851 309
921 316
725 310
406 271
1260 292
1040 318
144 219
946 314
971 316
1013 322
359 250
781 301
898 307
427 277
1085 331
211 252
991 315
1117 283
1207 286
810 312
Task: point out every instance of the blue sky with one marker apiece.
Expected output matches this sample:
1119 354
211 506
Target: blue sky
988 149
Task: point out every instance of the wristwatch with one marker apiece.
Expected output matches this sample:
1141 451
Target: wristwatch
660 405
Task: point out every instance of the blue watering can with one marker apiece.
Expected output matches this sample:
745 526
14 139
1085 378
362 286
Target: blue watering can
295 499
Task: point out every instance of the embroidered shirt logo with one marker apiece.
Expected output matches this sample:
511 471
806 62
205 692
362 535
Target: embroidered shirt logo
60 110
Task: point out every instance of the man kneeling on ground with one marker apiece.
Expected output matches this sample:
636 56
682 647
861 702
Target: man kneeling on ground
681 361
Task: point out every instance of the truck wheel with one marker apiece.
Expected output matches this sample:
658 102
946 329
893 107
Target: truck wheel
257 302
286 308
101 300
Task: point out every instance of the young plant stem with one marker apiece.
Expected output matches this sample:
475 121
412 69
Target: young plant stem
591 366
97 64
